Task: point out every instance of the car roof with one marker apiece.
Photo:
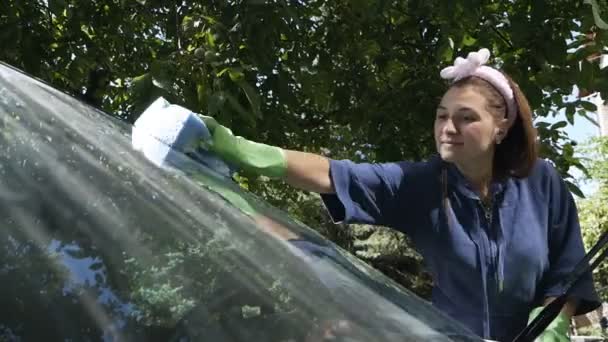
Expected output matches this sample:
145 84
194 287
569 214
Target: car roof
99 243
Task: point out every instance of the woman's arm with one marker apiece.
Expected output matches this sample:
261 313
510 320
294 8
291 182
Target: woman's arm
308 171
364 192
566 249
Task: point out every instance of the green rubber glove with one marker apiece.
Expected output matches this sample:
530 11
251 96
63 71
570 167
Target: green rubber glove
254 157
557 331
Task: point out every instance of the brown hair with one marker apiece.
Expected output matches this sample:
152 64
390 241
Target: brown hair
516 155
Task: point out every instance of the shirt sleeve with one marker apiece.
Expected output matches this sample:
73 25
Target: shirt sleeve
394 195
364 193
566 249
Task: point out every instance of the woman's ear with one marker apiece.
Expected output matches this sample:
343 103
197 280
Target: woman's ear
500 131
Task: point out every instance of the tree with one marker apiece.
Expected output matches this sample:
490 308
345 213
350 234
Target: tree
593 210
343 75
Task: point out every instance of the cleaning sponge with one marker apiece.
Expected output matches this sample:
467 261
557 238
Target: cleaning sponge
163 131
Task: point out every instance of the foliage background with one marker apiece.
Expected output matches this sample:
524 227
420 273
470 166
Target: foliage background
593 211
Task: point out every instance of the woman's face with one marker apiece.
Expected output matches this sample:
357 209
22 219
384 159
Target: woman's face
465 131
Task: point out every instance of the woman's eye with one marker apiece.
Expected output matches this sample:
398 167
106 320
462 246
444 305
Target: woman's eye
442 116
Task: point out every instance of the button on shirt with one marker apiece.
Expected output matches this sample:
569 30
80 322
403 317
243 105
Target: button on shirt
490 265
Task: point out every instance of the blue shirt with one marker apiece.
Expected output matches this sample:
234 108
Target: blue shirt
490 266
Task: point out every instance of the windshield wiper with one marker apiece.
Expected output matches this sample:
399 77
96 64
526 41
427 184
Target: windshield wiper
540 323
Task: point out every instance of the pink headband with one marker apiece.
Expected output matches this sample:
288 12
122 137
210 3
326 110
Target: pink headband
473 65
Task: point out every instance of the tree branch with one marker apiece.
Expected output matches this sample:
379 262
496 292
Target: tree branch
502 37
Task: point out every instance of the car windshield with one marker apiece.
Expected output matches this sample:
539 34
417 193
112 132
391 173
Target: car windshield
98 243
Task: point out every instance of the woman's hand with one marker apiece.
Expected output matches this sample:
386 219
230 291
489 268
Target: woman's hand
557 331
306 171
259 158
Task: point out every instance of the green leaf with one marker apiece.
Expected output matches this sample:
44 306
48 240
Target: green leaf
542 124
162 84
142 83
222 72
236 75
210 39
559 124
445 52
467 40
575 189
88 31
589 106
252 97
162 75
187 23
570 111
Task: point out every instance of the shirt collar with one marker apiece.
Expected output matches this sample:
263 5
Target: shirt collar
460 183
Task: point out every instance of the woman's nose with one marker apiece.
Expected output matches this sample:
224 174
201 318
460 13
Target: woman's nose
449 127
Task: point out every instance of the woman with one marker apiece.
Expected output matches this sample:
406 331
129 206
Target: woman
496 226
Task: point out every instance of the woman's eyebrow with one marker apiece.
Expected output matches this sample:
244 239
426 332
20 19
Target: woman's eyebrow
466 110
459 108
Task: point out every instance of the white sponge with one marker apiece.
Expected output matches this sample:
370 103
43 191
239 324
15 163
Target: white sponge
165 133
164 127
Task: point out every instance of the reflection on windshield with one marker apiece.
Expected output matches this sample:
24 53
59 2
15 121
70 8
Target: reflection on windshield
96 243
